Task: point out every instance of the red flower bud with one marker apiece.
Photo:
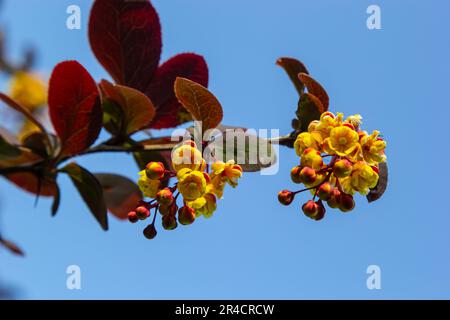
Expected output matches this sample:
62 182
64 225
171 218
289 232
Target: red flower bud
325 191
155 170
286 197
168 210
335 199
132 217
186 215
150 232
169 222
321 211
165 197
142 212
295 174
347 203
308 175
310 209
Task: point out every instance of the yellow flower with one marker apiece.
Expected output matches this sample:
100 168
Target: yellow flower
321 130
373 148
362 179
205 205
304 140
148 186
188 157
354 120
311 158
191 184
342 141
28 90
228 172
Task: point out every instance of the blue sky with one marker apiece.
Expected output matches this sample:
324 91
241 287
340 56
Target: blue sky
396 78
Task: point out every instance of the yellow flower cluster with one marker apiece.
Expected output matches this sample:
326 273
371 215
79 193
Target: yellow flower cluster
28 90
337 159
199 188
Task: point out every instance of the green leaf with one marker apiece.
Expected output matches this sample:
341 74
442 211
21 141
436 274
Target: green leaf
309 109
90 190
380 188
136 107
251 152
293 67
200 102
7 150
316 89
121 194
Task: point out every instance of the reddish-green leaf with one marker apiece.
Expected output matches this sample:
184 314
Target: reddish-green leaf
316 89
381 187
7 150
125 36
90 190
169 112
32 183
293 67
201 103
74 106
137 109
309 109
12 247
121 194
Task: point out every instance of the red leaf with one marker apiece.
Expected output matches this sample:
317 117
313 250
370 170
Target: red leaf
169 112
30 182
125 36
74 106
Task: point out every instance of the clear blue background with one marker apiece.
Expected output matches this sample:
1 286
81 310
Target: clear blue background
397 78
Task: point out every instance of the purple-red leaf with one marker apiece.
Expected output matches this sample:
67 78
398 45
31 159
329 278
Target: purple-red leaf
125 36
169 112
293 67
74 106
137 109
121 194
316 89
200 102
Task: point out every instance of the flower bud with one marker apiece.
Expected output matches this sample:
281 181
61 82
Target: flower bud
165 197
320 212
286 197
168 210
186 215
347 203
325 191
132 217
155 170
150 231
308 175
335 199
142 212
295 174
169 222
310 209
342 168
